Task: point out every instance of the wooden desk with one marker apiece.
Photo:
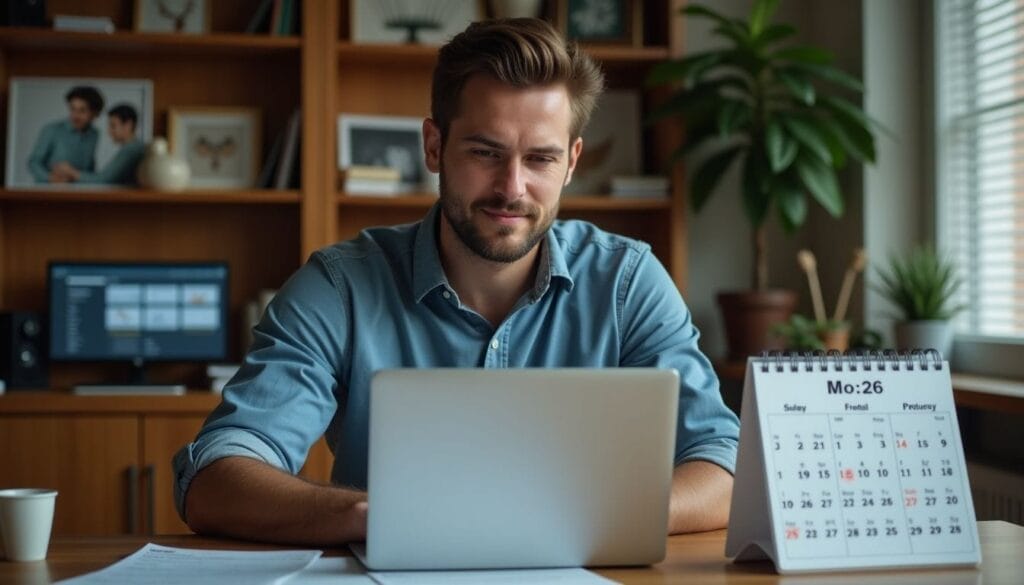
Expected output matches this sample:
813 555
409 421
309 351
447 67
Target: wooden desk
692 559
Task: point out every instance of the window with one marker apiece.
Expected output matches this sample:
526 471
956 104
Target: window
980 133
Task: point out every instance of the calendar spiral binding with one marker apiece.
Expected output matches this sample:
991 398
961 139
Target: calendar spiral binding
836 361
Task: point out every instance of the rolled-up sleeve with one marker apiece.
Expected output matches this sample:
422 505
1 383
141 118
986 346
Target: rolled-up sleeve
657 331
283 397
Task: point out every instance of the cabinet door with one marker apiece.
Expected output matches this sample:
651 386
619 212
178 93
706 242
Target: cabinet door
162 437
87 459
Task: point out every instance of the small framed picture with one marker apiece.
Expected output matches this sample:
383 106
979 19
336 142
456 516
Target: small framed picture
76 132
385 141
617 22
173 16
220 145
411 21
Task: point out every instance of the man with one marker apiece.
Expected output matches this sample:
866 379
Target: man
72 140
487 279
120 170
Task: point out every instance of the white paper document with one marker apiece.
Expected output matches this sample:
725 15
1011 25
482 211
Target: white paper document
156 565
333 571
495 577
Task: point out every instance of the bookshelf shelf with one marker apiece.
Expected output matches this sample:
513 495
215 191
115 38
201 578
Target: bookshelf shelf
352 53
149 196
571 203
214 43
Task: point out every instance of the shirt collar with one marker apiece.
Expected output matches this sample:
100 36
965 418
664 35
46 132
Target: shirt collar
428 274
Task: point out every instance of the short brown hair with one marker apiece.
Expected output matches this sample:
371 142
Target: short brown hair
521 52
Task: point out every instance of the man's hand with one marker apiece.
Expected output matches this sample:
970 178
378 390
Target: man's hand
246 498
63 172
701 492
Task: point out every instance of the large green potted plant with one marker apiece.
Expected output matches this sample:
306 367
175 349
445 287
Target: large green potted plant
771 106
922 285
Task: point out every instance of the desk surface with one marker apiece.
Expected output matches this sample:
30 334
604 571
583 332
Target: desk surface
692 558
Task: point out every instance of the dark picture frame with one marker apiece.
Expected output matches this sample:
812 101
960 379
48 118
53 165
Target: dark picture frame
611 22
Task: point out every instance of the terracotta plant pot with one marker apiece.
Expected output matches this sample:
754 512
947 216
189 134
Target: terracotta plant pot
749 317
837 339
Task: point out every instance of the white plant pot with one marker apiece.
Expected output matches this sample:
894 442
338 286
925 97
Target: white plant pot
925 335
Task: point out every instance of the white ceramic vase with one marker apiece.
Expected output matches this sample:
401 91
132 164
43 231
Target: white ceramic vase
925 335
162 170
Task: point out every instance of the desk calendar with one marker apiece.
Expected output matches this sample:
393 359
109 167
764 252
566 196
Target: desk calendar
851 462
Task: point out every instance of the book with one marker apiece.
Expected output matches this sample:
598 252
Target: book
360 187
266 178
372 173
289 153
275 17
99 24
259 18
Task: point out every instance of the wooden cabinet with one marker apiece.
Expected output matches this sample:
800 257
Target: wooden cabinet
87 459
108 457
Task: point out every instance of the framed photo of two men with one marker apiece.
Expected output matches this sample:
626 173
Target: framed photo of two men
75 132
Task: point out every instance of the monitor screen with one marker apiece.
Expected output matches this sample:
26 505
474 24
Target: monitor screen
138 311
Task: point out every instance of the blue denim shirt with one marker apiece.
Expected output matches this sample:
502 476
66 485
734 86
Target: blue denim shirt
382 301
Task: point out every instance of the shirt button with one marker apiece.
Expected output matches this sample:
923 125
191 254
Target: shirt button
446 295
494 344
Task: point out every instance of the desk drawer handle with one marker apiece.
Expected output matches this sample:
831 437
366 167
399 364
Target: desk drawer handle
150 489
133 499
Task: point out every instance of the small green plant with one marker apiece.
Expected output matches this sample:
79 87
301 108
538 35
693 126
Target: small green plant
922 284
803 334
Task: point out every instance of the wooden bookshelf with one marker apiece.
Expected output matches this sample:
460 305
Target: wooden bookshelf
118 42
263 235
196 196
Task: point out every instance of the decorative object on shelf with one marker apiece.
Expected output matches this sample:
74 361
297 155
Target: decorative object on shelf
411 21
603 21
96 24
515 8
611 144
221 145
173 16
76 132
923 286
385 141
831 333
771 107
161 170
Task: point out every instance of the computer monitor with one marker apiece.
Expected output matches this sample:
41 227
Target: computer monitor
138 312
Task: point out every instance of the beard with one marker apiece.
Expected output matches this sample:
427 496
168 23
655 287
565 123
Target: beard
501 247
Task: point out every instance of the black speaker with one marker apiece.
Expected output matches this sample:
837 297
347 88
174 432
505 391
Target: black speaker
23 350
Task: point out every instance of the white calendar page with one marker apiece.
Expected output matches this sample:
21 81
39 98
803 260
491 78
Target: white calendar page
851 469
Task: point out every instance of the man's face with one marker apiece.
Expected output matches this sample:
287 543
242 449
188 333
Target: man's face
504 163
79 113
121 131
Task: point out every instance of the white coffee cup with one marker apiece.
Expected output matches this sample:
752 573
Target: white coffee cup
26 517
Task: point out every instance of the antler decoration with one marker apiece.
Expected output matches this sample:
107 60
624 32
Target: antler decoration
806 260
178 17
856 266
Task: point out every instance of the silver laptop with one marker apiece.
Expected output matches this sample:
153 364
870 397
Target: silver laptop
488 469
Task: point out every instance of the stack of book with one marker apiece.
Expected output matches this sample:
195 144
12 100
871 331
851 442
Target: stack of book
220 375
371 181
640 187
